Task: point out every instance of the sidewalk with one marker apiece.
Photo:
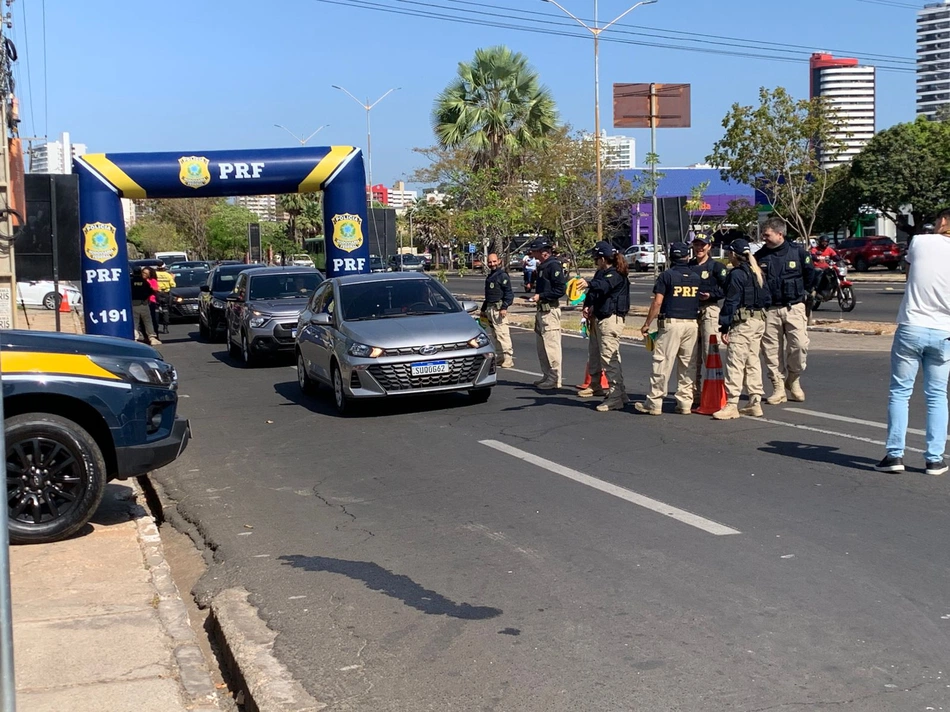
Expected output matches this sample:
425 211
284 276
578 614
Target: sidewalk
45 320
98 622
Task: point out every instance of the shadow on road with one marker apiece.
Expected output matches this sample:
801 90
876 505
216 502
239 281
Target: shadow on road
818 453
376 578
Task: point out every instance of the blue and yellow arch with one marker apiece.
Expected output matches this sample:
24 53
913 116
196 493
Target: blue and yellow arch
106 177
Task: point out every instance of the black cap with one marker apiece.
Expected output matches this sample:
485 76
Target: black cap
702 238
603 249
542 243
679 251
739 246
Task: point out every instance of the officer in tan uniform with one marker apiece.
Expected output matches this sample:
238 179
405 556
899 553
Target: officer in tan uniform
498 298
713 275
676 302
550 287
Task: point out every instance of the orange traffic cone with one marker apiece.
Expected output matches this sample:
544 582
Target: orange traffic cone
64 303
714 386
604 383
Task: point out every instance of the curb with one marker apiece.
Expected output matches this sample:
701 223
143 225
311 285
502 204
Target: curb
854 332
248 644
194 677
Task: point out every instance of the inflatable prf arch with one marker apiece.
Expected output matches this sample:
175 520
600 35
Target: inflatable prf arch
106 177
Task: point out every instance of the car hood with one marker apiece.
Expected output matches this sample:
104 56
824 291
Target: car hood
51 342
186 292
277 307
405 331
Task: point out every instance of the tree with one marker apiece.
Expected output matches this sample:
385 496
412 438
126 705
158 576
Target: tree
842 201
190 217
744 216
906 167
774 147
150 235
495 108
227 231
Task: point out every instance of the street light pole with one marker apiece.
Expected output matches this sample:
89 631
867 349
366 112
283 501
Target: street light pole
596 31
302 141
369 134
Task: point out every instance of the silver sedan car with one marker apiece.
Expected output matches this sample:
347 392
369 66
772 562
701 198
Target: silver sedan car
391 334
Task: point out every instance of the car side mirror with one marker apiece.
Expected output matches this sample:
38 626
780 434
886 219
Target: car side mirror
204 288
469 306
321 319
233 298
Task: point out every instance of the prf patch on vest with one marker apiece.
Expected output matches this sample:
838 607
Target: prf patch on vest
792 264
685 291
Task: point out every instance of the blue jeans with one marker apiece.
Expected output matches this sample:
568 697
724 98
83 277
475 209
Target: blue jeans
913 346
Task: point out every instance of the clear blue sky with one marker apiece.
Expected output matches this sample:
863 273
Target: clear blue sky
195 75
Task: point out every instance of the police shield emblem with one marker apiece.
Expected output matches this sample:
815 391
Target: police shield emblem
792 264
705 274
193 171
99 243
347 231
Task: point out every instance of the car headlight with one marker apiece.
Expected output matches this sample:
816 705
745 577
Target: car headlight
179 300
479 341
364 351
217 303
151 371
258 319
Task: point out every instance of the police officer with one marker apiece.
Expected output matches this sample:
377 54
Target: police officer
498 297
790 276
742 323
713 276
607 304
142 293
550 286
676 302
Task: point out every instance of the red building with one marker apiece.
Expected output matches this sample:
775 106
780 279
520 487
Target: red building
380 193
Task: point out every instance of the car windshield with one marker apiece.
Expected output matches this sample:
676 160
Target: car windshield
409 259
191 278
395 298
224 280
375 261
283 286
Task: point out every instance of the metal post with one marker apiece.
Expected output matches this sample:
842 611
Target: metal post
55 237
369 156
597 149
656 220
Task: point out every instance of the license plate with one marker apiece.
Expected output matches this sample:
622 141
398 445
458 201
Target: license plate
429 368
293 333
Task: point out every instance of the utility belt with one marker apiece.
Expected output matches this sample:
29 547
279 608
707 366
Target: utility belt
663 321
546 306
612 315
495 305
784 306
743 315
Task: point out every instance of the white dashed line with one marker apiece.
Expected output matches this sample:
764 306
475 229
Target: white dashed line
846 419
824 432
654 505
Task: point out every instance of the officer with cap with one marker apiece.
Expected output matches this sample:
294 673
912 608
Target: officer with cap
606 306
713 276
676 302
790 276
742 323
550 286
498 297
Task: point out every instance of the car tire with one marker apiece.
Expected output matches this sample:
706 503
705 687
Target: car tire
479 395
51 300
247 357
861 265
63 441
307 385
892 266
233 351
343 403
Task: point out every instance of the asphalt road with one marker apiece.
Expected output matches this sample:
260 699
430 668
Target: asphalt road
876 301
422 557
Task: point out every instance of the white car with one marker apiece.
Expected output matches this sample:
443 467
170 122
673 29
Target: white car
42 294
640 258
302 260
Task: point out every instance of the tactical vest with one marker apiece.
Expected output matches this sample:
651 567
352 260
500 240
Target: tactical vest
617 300
708 272
494 291
681 300
784 276
753 296
141 290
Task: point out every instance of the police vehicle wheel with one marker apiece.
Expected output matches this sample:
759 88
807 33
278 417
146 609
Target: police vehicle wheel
846 299
51 301
246 355
480 395
344 405
56 477
307 386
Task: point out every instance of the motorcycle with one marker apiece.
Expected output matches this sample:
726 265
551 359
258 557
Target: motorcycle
833 284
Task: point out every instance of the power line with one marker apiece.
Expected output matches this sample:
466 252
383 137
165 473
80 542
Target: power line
535 29
29 73
892 3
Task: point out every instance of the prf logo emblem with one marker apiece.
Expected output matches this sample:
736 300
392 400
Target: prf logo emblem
347 231
100 244
194 171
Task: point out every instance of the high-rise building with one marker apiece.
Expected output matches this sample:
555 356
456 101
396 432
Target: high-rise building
849 89
619 153
400 198
263 206
933 58
55 156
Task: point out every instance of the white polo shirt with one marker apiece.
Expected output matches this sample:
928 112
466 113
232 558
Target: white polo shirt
926 300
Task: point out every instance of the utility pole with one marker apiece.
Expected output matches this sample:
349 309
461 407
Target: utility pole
654 116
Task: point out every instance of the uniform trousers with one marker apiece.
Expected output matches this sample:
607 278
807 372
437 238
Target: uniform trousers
675 347
500 333
708 325
788 325
609 331
594 352
742 359
547 329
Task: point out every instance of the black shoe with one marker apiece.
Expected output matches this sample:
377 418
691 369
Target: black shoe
936 468
890 464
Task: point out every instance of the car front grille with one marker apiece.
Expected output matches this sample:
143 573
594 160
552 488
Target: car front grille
284 332
398 376
439 348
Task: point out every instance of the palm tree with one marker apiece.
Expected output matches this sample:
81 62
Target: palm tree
495 107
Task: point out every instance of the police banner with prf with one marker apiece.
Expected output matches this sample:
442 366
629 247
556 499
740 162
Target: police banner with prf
104 178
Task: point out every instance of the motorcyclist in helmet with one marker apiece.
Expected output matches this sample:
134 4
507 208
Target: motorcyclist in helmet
823 252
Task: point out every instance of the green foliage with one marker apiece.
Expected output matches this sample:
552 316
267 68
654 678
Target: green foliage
305 215
227 231
842 202
773 146
189 217
744 216
150 235
907 164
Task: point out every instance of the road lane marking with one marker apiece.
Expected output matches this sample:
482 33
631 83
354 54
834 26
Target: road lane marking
654 505
846 419
518 370
824 432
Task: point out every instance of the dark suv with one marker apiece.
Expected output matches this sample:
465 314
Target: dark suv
211 304
263 309
866 252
